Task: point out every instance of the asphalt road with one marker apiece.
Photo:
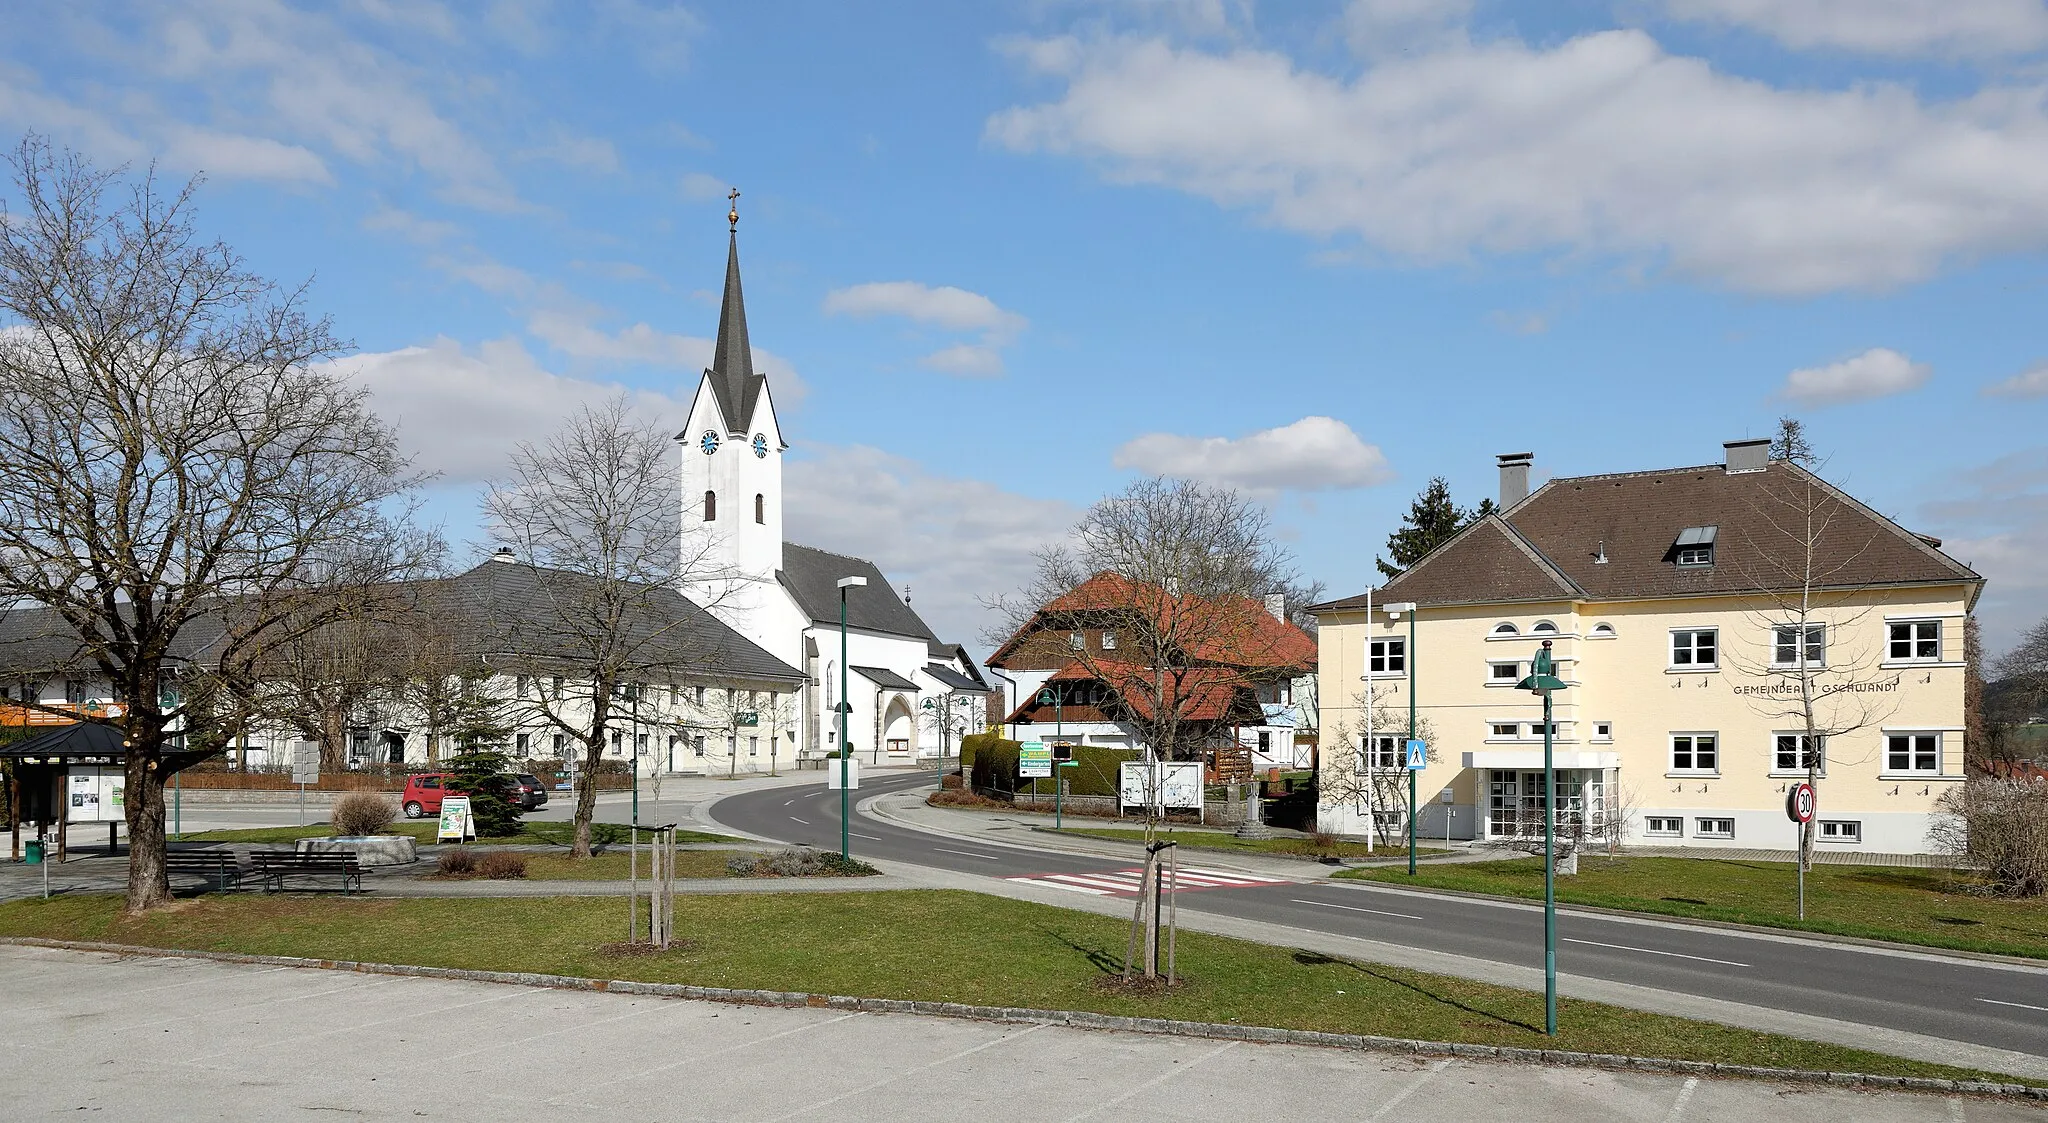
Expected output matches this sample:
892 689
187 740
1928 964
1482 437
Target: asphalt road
1944 997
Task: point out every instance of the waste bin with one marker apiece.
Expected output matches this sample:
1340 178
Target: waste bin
32 854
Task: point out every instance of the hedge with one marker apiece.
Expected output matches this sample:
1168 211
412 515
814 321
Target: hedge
991 763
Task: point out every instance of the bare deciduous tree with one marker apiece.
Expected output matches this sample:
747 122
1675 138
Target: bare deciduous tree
180 482
1377 787
1819 683
594 516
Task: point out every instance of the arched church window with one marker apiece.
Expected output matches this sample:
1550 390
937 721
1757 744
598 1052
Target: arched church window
760 509
710 506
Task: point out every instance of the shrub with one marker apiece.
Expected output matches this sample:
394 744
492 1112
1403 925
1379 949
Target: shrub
799 861
459 861
361 813
1095 769
502 865
2001 827
483 777
994 767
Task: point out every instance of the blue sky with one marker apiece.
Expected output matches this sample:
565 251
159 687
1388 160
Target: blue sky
1001 257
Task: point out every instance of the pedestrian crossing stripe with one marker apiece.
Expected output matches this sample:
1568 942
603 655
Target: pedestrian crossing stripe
1126 883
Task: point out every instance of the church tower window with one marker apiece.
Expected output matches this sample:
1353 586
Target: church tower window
760 508
710 506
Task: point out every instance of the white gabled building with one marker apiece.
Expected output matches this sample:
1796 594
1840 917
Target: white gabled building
909 695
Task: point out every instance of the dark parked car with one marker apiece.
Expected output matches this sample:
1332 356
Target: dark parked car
528 791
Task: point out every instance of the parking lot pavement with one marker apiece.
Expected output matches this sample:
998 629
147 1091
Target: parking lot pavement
148 1039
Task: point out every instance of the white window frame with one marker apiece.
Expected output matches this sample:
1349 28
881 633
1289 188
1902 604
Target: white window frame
1603 731
1387 656
1912 752
1675 830
1694 557
1493 730
1692 650
1701 830
1853 836
1544 628
1504 630
1388 754
1108 640
1802 654
1800 752
1495 678
1603 630
1692 737
1912 641
1077 641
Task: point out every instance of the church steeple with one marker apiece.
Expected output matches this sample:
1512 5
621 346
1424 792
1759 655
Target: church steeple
732 361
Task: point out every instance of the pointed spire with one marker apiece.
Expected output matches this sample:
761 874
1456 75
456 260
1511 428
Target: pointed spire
732 362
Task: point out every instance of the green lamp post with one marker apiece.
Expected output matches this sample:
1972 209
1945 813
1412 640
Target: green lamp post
1543 681
1057 700
845 750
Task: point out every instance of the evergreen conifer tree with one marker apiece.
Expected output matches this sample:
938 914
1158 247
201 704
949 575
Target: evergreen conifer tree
1431 521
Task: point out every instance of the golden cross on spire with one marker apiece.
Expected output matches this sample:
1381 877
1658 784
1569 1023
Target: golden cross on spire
733 216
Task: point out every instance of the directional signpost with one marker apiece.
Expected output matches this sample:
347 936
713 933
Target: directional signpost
1799 806
1034 760
305 770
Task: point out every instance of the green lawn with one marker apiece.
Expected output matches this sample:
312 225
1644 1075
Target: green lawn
931 945
533 834
1932 907
1221 840
615 866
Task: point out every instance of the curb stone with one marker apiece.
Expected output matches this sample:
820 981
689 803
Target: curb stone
1077 1018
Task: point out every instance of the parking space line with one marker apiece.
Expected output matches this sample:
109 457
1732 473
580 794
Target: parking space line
1413 1087
406 1017
884 1082
1171 1072
1677 1111
699 1058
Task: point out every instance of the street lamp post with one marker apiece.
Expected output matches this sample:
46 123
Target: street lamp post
845 751
1543 681
1059 733
1395 612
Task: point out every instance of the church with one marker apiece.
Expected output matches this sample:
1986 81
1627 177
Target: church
906 694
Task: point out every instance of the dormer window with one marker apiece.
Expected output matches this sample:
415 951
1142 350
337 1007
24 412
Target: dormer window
1695 547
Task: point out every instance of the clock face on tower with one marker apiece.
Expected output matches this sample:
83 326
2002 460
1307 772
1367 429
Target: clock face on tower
708 442
761 445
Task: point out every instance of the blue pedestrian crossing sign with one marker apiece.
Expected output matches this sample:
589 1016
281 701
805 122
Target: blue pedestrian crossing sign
1417 754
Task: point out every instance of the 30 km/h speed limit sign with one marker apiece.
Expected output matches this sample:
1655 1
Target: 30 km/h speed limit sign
1799 803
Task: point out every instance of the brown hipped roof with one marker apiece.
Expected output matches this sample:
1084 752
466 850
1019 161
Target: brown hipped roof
1611 537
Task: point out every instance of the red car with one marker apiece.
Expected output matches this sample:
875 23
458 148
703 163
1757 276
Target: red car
423 792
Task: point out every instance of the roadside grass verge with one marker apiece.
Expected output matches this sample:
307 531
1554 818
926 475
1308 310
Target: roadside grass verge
1936 908
614 866
423 830
1223 840
925 945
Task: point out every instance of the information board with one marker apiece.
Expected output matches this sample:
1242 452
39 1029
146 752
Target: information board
1175 785
1034 760
95 795
456 822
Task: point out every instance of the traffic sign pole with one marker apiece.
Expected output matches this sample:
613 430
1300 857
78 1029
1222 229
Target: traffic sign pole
1799 807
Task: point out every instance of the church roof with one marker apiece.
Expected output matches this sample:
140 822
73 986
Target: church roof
733 380
812 578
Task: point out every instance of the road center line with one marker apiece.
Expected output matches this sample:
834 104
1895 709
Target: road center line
1654 951
968 854
2021 1005
794 819
1355 908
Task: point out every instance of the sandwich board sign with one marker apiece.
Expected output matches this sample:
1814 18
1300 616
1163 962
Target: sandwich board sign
1418 756
456 822
1034 760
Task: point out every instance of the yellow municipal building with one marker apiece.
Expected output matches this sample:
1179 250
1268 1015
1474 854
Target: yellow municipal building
1720 629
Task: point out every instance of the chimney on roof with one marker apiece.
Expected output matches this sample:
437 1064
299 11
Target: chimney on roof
504 554
1276 603
1748 455
1514 477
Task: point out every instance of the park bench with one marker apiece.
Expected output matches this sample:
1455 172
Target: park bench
273 866
216 866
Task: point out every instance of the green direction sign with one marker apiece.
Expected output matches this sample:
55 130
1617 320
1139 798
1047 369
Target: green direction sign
748 718
1034 760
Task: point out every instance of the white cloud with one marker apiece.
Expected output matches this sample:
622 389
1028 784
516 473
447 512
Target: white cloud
1602 145
702 185
1312 454
2029 383
1884 27
953 540
1877 373
409 226
233 156
582 153
460 412
1376 28
943 307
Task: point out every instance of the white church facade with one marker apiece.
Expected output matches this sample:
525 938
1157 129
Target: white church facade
908 696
